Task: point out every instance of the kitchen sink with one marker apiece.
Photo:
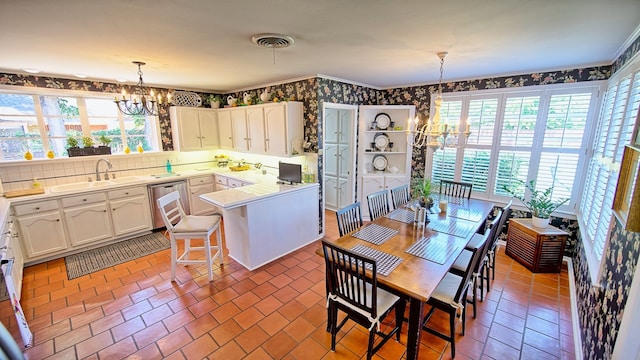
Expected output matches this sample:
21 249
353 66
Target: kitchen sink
95 184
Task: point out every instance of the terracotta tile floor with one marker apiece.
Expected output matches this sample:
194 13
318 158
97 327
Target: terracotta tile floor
276 312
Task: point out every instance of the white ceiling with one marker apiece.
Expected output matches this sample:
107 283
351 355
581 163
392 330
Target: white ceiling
206 45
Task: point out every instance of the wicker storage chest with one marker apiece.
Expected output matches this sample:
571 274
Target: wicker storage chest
538 249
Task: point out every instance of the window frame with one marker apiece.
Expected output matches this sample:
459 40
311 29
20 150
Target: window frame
630 70
545 93
81 96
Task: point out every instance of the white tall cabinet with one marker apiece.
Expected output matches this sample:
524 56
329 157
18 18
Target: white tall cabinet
383 151
339 135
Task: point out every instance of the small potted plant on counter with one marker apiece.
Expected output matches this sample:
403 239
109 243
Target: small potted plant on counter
540 203
103 148
87 143
72 147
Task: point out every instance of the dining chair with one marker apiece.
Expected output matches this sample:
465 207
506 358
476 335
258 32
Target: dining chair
349 218
506 214
352 288
378 204
450 296
187 227
480 242
456 188
400 195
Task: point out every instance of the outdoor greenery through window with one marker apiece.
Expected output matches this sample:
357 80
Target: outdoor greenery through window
518 135
40 123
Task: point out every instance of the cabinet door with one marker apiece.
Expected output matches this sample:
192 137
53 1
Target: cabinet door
239 123
188 129
87 224
391 181
197 205
256 130
370 184
276 135
208 129
42 234
130 215
225 129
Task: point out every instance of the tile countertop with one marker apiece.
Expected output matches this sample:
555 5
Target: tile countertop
268 181
240 196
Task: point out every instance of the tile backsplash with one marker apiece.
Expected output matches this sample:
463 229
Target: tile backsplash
50 172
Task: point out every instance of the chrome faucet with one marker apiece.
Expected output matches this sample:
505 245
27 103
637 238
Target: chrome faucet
106 173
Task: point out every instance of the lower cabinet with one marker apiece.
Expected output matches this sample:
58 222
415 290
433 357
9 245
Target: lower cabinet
198 186
42 233
86 218
374 183
130 210
56 226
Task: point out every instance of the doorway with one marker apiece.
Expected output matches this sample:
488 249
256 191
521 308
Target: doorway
339 143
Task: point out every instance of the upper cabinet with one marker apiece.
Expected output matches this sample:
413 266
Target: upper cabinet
194 128
271 129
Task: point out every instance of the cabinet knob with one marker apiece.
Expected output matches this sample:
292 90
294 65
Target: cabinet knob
126 193
84 199
104 210
37 208
58 220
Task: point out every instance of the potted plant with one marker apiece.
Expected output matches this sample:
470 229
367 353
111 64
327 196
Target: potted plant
87 144
421 191
104 148
540 203
72 146
215 101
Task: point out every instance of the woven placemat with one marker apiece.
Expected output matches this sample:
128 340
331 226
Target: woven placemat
385 263
375 234
105 257
403 215
432 249
454 226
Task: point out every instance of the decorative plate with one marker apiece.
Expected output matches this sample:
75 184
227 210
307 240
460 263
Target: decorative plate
380 162
186 98
381 141
383 120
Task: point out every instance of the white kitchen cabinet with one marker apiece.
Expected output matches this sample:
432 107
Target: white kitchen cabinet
194 128
272 129
41 228
374 183
130 210
225 129
12 250
87 218
198 186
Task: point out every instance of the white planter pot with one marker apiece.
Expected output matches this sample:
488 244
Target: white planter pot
215 104
539 222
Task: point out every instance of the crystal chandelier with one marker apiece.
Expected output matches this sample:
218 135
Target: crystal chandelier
433 134
142 101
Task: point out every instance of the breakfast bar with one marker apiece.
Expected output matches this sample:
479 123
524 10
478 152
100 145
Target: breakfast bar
265 221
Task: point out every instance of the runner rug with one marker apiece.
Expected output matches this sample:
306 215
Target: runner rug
105 257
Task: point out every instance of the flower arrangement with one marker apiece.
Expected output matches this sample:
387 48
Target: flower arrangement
540 204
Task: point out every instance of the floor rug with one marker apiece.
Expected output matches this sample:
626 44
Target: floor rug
104 257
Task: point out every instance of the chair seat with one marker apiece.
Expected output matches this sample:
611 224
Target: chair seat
446 290
196 223
385 301
461 263
475 242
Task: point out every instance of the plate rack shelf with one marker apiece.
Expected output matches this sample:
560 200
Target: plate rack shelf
384 156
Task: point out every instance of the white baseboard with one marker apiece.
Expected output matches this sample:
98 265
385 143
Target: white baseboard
577 337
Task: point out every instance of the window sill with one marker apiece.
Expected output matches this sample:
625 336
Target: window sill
75 158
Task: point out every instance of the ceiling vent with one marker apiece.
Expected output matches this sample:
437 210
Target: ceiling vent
272 41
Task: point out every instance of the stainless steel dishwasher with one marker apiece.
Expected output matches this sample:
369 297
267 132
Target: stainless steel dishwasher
156 191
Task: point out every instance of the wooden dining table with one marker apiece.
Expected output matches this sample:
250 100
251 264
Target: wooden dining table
415 277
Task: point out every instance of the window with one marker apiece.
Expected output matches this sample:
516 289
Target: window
39 122
613 131
517 135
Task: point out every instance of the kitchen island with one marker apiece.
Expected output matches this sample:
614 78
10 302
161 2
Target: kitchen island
265 221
